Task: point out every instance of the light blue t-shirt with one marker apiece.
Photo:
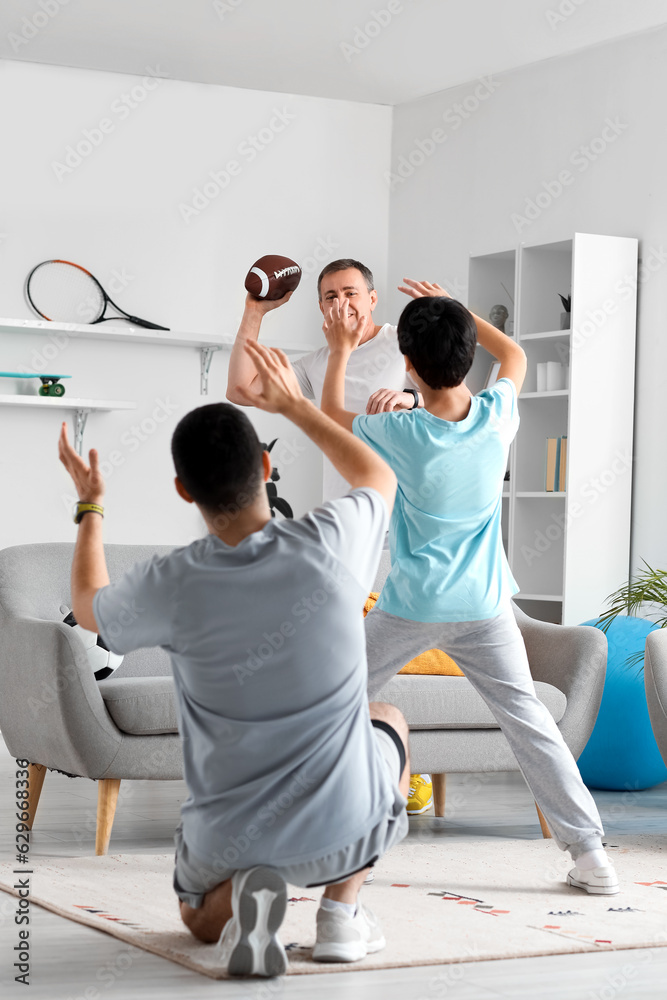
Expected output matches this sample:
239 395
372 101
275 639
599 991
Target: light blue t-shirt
448 563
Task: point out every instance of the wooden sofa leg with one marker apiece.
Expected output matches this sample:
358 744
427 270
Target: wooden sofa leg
439 781
107 798
36 775
546 833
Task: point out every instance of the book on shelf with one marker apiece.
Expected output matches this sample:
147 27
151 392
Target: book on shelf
552 465
556 465
562 464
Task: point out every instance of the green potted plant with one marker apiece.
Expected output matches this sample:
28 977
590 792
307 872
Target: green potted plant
647 589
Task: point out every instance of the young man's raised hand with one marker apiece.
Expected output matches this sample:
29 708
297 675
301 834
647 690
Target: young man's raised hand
89 570
87 479
276 388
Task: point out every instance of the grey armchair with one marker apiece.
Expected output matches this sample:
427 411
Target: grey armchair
53 712
452 730
655 682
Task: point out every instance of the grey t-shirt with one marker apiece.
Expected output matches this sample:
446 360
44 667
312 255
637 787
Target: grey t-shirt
269 659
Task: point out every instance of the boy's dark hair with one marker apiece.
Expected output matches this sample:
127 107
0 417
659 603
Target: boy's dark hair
343 265
218 457
439 336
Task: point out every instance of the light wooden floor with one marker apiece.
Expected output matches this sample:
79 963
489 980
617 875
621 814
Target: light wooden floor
72 962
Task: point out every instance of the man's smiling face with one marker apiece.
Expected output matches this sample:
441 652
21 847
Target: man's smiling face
349 285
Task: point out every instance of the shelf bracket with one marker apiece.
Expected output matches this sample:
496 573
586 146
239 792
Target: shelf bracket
205 358
80 419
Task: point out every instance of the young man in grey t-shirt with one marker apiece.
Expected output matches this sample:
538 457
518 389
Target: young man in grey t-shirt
290 776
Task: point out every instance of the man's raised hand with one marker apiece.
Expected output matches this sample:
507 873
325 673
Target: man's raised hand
420 289
87 479
276 388
263 306
340 329
388 400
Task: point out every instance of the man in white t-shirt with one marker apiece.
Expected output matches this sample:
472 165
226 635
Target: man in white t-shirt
375 364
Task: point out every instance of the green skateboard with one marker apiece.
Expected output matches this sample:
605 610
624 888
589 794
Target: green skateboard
50 383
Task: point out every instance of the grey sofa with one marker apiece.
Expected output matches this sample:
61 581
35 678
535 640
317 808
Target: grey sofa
56 715
655 682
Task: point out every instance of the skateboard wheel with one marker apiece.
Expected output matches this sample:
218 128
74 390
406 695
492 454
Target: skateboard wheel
44 390
57 390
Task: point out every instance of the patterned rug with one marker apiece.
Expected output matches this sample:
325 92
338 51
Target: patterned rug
462 901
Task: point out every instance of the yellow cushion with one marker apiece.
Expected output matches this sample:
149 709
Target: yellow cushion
433 661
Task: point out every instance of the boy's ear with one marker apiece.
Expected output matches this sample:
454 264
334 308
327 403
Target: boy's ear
182 492
267 466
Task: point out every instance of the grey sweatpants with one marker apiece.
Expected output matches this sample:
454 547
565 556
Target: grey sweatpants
492 655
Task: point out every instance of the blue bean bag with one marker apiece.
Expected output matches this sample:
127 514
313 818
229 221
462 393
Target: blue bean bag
622 754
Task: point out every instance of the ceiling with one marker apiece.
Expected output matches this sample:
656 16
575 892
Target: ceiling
384 52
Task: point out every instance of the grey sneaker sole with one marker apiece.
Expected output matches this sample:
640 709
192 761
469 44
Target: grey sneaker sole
594 890
261 909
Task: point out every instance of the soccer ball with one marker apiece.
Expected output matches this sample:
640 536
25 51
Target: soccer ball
101 659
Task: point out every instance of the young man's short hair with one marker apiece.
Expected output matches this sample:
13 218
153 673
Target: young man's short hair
218 457
438 335
344 264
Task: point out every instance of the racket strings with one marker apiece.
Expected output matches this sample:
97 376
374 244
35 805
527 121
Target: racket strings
64 293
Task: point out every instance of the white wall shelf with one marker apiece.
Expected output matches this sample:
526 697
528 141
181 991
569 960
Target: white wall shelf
569 554
538 597
539 494
549 335
80 407
125 334
544 395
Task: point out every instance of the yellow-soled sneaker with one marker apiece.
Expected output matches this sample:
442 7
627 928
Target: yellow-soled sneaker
420 796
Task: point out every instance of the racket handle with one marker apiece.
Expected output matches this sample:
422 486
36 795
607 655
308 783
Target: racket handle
145 323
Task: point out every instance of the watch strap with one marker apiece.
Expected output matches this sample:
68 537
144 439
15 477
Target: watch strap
415 395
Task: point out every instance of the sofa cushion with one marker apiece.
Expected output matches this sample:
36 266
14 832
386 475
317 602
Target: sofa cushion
452 702
141 706
433 661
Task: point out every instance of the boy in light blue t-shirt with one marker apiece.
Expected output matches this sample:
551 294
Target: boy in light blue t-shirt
450 586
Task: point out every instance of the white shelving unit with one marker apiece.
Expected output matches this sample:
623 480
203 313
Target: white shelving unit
568 550
81 408
492 280
127 334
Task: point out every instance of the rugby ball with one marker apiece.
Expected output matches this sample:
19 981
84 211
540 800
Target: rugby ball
101 659
272 276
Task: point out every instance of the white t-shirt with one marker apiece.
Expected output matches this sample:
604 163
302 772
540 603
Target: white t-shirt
377 364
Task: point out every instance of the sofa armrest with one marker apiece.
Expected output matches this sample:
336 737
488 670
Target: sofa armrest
573 659
51 710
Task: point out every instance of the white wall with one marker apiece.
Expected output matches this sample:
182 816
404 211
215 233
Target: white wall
498 149
317 185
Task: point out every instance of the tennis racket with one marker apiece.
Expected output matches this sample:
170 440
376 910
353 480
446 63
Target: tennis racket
63 292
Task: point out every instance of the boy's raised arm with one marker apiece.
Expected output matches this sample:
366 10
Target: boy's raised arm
342 338
277 391
512 357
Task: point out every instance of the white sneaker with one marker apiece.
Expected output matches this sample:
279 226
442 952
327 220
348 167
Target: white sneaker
342 938
248 945
597 881
370 878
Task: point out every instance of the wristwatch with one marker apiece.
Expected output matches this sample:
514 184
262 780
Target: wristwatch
84 508
416 397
